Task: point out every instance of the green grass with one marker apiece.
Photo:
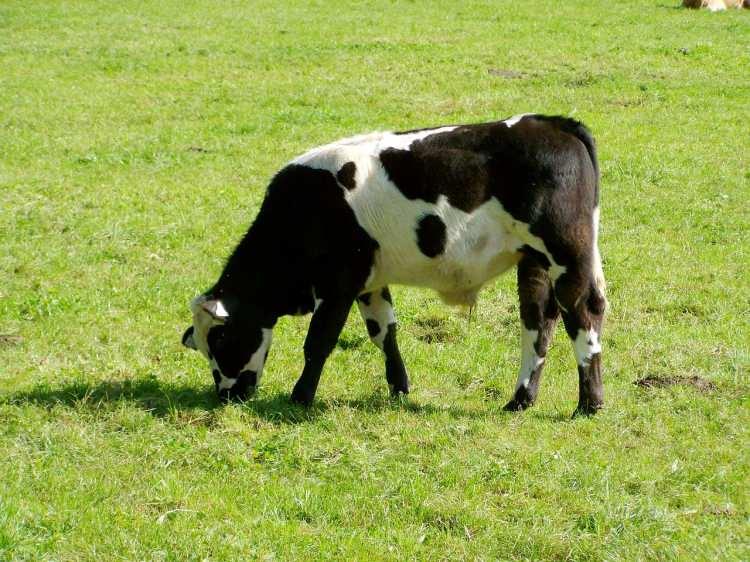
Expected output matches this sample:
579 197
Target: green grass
136 141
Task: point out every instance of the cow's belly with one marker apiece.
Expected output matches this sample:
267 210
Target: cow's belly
457 279
478 247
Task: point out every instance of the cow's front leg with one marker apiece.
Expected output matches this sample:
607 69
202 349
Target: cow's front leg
327 322
539 315
377 312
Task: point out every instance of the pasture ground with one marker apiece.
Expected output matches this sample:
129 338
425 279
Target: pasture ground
136 141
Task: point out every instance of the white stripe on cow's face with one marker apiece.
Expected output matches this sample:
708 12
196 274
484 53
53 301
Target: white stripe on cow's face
530 361
258 359
224 383
586 345
255 364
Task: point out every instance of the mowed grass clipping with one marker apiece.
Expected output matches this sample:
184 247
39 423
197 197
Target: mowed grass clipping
136 142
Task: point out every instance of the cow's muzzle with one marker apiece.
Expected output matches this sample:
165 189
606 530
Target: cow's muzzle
244 388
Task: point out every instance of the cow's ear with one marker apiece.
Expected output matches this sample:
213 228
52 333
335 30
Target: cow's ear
187 338
215 309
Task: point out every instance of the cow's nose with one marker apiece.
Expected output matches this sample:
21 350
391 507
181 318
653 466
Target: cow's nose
244 387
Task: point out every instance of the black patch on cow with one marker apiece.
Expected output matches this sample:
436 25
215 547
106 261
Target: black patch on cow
386 294
426 173
345 175
305 236
373 328
578 130
364 298
431 235
217 376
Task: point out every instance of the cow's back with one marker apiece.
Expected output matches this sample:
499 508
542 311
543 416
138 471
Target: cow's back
450 207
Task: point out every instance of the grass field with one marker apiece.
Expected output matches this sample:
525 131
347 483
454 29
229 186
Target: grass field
136 141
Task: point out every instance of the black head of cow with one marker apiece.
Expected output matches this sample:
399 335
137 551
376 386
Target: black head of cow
235 342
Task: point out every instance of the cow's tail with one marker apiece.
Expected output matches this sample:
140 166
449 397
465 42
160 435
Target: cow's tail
584 135
598 272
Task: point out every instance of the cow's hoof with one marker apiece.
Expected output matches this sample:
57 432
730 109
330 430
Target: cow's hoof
516 405
521 400
587 409
301 399
397 391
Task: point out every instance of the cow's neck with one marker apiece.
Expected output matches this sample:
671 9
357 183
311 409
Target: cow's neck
258 272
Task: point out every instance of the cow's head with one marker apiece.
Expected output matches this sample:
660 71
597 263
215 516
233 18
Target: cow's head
235 341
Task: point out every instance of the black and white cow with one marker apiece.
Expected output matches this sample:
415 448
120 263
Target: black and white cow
448 208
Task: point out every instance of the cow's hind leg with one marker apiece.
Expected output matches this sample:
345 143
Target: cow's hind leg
377 311
539 313
582 303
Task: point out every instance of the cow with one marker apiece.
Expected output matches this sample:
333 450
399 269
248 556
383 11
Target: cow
716 5
448 208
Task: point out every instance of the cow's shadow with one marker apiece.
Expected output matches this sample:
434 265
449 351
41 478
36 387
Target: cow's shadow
148 394
175 401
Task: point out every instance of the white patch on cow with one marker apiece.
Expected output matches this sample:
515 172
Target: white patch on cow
380 311
515 119
363 150
404 141
585 346
530 361
258 358
371 275
480 245
601 284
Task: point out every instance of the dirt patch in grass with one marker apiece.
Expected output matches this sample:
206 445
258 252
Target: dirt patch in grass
505 73
663 381
726 510
7 340
434 329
